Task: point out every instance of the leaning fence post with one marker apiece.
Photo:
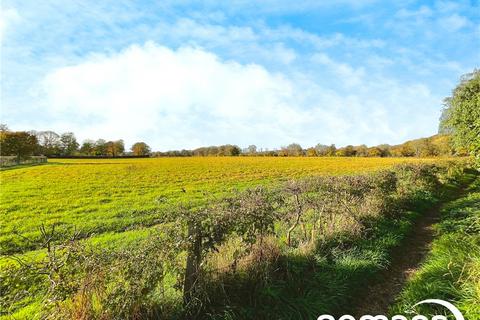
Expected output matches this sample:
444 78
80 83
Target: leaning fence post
194 258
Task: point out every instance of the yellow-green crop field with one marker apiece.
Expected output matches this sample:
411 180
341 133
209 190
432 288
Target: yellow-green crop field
116 199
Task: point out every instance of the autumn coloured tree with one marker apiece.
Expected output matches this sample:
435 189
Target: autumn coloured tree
20 144
115 148
140 149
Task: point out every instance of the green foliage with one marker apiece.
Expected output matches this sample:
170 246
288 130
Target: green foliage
21 144
140 149
114 148
437 145
293 149
301 283
461 115
223 150
452 270
74 280
68 144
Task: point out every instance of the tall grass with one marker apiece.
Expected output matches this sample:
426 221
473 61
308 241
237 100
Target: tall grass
452 270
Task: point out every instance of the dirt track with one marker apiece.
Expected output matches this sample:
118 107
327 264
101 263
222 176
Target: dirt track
406 259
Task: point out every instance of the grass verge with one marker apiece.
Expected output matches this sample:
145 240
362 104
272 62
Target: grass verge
452 269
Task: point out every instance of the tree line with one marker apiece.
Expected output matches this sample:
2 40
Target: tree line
24 144
48 143
438 145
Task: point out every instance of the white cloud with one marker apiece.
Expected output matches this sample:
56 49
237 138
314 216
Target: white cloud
7 18
177 98
351 77
189 97
454 22
422 12
438 21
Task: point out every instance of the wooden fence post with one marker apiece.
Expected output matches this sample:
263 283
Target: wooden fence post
194 259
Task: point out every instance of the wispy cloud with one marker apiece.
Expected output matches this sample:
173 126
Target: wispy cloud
8 17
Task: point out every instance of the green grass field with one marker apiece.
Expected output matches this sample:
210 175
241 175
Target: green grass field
116 195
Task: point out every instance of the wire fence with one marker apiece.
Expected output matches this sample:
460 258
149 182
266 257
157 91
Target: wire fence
10 161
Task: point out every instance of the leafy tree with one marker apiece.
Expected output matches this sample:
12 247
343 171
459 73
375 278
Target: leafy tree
461 115
235 151
294 149
229 150
88 147
68 144
424 148
384 149
361 151
407 150
321 149
331 150
119 147
115 148
140 149
348 151
443 143
374 152
21 144
100 147
312 152
252 149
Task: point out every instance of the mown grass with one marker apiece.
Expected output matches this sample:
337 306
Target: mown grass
106 195
452 269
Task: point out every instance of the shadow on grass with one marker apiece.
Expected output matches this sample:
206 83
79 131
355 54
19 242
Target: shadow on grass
452 269
92 163
298 286
23 166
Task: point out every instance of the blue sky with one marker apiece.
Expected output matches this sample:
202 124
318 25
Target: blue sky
183 74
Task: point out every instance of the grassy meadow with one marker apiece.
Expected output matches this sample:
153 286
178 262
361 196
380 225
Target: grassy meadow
116 195
298 236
